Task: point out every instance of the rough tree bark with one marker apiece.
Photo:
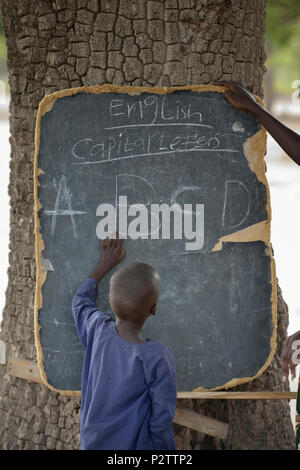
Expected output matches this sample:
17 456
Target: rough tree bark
68 43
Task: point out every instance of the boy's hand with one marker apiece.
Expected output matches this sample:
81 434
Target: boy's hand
112 253
239 96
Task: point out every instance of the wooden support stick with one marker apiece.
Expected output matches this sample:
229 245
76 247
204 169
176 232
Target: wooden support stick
2 353
29 370
201 423
24 369
263 395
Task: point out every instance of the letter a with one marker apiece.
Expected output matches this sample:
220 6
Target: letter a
63 192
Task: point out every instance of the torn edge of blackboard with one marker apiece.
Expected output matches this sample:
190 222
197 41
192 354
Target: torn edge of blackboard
254 151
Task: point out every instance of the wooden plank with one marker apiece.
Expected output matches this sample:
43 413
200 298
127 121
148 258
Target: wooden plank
263 395
24 369
2 353
29 370
201 423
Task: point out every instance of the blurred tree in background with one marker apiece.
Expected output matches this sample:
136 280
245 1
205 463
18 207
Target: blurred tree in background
3 67
283 43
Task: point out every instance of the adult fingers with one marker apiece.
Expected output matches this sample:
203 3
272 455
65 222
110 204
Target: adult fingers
234 85
241 85
230 96
228 83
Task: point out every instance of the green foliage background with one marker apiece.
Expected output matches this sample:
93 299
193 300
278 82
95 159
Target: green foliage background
3 67
283 35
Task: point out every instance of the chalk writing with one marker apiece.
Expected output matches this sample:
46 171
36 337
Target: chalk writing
153 107
128 145
233 189
63 192
156 167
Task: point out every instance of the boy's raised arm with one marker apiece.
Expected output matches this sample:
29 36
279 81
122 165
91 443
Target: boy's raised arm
84 308
242 98
112 254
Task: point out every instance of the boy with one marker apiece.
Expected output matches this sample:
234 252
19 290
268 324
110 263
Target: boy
128 392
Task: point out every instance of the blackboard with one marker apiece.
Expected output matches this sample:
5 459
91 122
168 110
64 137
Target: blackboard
151 146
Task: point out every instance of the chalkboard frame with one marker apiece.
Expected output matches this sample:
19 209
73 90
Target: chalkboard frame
254 149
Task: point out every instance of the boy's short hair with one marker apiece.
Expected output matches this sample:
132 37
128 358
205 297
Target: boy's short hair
131 285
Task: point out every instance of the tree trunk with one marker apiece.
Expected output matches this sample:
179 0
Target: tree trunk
67 43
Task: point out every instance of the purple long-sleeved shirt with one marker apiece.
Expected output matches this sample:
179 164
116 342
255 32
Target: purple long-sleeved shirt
128 390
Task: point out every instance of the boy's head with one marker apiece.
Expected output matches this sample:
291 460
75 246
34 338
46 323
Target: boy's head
134 292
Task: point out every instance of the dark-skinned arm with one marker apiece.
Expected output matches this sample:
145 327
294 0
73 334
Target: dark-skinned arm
85 311
242 98
111 254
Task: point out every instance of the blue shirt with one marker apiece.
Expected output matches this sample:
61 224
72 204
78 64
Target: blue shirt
128 390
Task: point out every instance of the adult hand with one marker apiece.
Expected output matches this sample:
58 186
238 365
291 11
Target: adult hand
239 96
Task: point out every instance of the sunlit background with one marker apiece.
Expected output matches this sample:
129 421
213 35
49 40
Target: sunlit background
281 95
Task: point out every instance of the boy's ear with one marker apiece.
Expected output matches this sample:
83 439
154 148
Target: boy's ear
153 309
